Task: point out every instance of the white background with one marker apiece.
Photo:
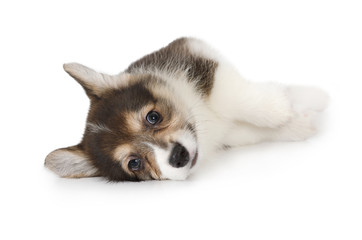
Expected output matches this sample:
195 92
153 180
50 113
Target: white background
305 190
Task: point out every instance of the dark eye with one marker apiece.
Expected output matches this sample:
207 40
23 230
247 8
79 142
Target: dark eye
135 164
153 117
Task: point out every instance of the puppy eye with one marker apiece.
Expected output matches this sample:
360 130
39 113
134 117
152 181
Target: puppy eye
153 117
135 164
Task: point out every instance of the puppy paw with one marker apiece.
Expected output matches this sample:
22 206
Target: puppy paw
304 98
301 127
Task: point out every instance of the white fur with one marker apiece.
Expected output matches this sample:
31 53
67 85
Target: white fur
306 97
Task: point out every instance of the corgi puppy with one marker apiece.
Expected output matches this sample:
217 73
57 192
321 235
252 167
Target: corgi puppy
175 108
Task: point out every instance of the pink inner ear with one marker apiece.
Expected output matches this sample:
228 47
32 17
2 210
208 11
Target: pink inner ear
70 162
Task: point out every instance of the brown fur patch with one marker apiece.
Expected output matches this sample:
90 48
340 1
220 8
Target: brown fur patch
178 57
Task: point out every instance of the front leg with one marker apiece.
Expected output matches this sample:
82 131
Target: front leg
307 103
261 104
264 105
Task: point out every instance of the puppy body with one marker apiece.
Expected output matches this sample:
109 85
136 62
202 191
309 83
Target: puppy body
174 108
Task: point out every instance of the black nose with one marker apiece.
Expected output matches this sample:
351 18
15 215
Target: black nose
179 156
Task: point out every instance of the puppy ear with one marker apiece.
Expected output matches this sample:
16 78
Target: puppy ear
70 162
94 83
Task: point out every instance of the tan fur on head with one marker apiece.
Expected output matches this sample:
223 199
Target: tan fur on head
135 120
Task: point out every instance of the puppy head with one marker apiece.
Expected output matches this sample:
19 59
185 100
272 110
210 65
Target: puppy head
136 130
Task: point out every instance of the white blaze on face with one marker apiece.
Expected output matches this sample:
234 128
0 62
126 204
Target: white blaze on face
186 139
